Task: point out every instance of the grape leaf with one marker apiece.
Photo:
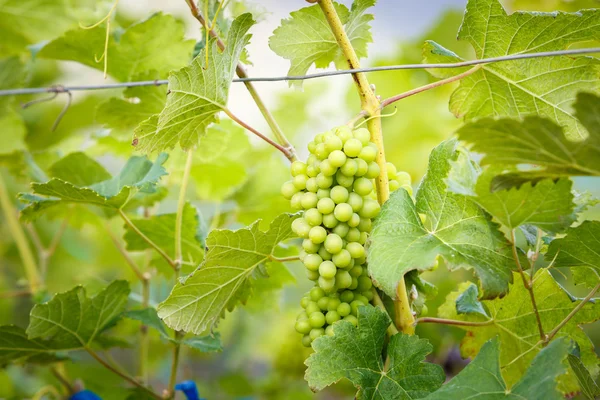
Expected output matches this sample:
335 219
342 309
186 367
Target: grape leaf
306 38
579 248
79 169
354 353
586 276
481 379
468 303
161 230
540 142
136 50
513 320
16 347
589 388
455 228
139 175
12 75
224 277
196 94
545 86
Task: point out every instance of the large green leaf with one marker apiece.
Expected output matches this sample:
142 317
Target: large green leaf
513 320
139 175
196 94
579 248
544 86
16 347
482 380
306 37
224 277
540 142
354 353
155 44
455 227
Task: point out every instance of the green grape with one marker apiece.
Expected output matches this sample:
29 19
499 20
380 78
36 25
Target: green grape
361 260
296 201
362 167
301 316
337 158
327 284
300 227
349 168
361 298
355 201
333 143
313 217
343 280
354 284
334 302
298 168
353 147
363 135
311 185
323 181
299 181
356 271
346 296
309 200
322 194
327 270
344 309
391 170
364 225
339 194
312 307
312 262
301 255
370 209
354 305
342 259
424 310
312 146
333 243
312 160
306 341
353 235
343 132
373 171
355 249
394 185
329 330
327 169
312 275
316 333
288 190
312 171
310 247
368 153
318 138
363 186
317 234
403 178
329 220
304 301
323 303
325 255
303 327
331 317
341 229
325 206
368 295
364 236
321 151
354 220
350 318
316 293
343 212
343 180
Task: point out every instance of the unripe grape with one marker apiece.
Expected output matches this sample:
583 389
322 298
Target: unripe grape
370 209
326 168
352 147
299 181
391 170
311 185
343 132
342 259
353 235
343 279
296 201
343 212
368 295
323 194
339 194
346 296
343 180
362 298
364 236
337 158
329 330
323 181
312 275
312 146
373 171
300 227
312 171
355 201
349 168
318 138
327 284
316 333
323 303
310 247
313 217
312 307
368 153
317 234
316 293
362 167
288 190
363 135
365 225
403 178
350 318
303 327
298 168
333 243
363 186
354 220
354 305
306 341
333 143
321 151
344 309
334 302
309 200
394 185
355 249
331 317
330 221
302 316
341 229
325 206
312 261
360 261
327 269
354 284
355 272
324 254
304 301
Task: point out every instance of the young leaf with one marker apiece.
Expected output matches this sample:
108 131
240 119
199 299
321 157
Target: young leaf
589 388
354 353
579 248
196 94
540 142
455 228
161 230
137 50
468 303
306 38
545 86
513 320
139 175
223 278
481 379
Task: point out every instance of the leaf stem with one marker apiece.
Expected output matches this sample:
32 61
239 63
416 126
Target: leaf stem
429 86
16 231
554 331
285 259
286 151
59 373
120 373
432 320
174 364
144 338
241 72
146 239
528 283
372 108
180 206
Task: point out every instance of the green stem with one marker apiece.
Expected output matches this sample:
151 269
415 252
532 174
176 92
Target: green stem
16 231
144 337
372 107
285 259
175 364
181 206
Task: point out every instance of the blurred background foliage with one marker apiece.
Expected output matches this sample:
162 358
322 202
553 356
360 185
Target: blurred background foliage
235 181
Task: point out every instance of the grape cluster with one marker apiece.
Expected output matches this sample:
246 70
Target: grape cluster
336 190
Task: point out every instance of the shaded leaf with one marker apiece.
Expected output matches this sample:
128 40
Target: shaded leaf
579 248
468 303
16 347
589 388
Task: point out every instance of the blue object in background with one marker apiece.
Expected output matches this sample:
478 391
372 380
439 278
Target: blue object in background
190 390
85 395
